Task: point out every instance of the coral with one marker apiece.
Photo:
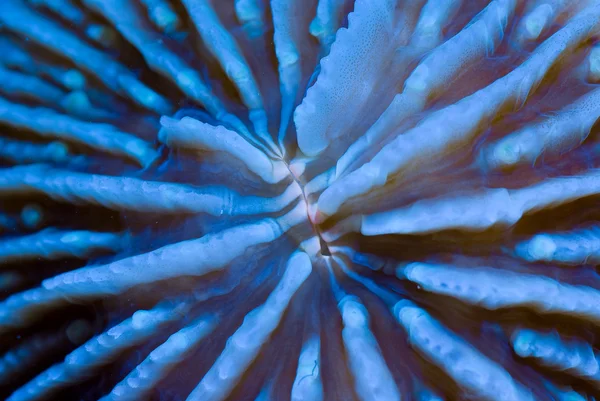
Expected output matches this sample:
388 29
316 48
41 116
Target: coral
304 200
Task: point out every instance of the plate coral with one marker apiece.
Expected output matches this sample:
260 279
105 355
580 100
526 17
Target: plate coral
304 200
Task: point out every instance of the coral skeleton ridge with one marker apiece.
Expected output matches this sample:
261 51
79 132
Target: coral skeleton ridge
303 200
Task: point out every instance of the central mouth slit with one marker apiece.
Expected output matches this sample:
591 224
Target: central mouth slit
324 247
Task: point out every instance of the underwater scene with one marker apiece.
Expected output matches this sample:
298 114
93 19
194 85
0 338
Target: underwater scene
299 200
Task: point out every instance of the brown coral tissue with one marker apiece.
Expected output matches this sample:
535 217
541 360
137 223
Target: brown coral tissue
299 200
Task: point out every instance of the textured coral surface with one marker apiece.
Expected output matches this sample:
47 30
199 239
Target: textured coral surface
305 200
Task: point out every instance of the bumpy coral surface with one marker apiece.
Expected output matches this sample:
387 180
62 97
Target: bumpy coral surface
307 200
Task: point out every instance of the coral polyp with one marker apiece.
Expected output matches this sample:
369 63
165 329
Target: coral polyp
304 200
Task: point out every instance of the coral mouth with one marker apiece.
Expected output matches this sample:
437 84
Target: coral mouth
296 175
